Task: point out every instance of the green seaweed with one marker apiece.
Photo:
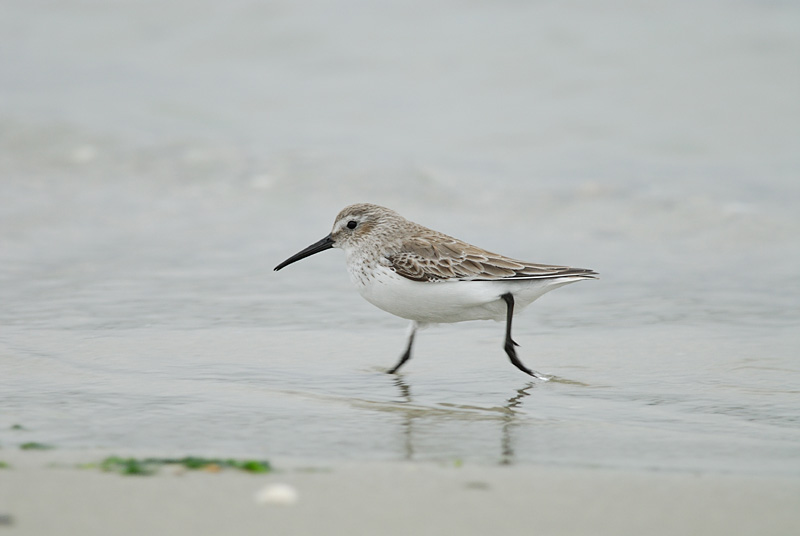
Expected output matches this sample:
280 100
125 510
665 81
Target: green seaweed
33 445
127 466
149 466
253 466
4 465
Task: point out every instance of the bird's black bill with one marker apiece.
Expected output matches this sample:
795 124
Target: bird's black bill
316 247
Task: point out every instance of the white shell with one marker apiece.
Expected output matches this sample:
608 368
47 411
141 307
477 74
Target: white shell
282 494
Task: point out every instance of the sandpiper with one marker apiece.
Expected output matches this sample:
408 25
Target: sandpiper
429 277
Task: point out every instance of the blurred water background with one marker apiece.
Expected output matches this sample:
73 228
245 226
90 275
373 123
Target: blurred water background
158 159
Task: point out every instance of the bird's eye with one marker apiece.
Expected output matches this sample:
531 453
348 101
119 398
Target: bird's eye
352 224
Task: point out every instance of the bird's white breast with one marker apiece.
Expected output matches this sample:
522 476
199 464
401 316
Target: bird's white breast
444 301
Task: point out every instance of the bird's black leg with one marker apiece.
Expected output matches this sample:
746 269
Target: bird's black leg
510 344
412 330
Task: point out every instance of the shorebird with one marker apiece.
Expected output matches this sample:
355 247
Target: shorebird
429 277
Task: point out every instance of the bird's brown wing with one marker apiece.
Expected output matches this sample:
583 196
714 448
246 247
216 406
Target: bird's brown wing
437 257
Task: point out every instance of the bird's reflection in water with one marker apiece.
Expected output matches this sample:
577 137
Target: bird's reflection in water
405 390
512 406
408 431
508 414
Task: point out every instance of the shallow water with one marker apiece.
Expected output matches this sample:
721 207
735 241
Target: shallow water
156 164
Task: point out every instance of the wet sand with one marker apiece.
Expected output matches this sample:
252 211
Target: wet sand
156 164
45 493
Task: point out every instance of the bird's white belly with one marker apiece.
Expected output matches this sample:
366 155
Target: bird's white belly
447 301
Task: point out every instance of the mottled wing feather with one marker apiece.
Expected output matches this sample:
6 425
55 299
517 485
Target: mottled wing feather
437 257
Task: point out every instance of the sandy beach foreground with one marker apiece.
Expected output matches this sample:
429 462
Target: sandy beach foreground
46 493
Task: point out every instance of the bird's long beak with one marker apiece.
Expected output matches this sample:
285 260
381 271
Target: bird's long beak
316 247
